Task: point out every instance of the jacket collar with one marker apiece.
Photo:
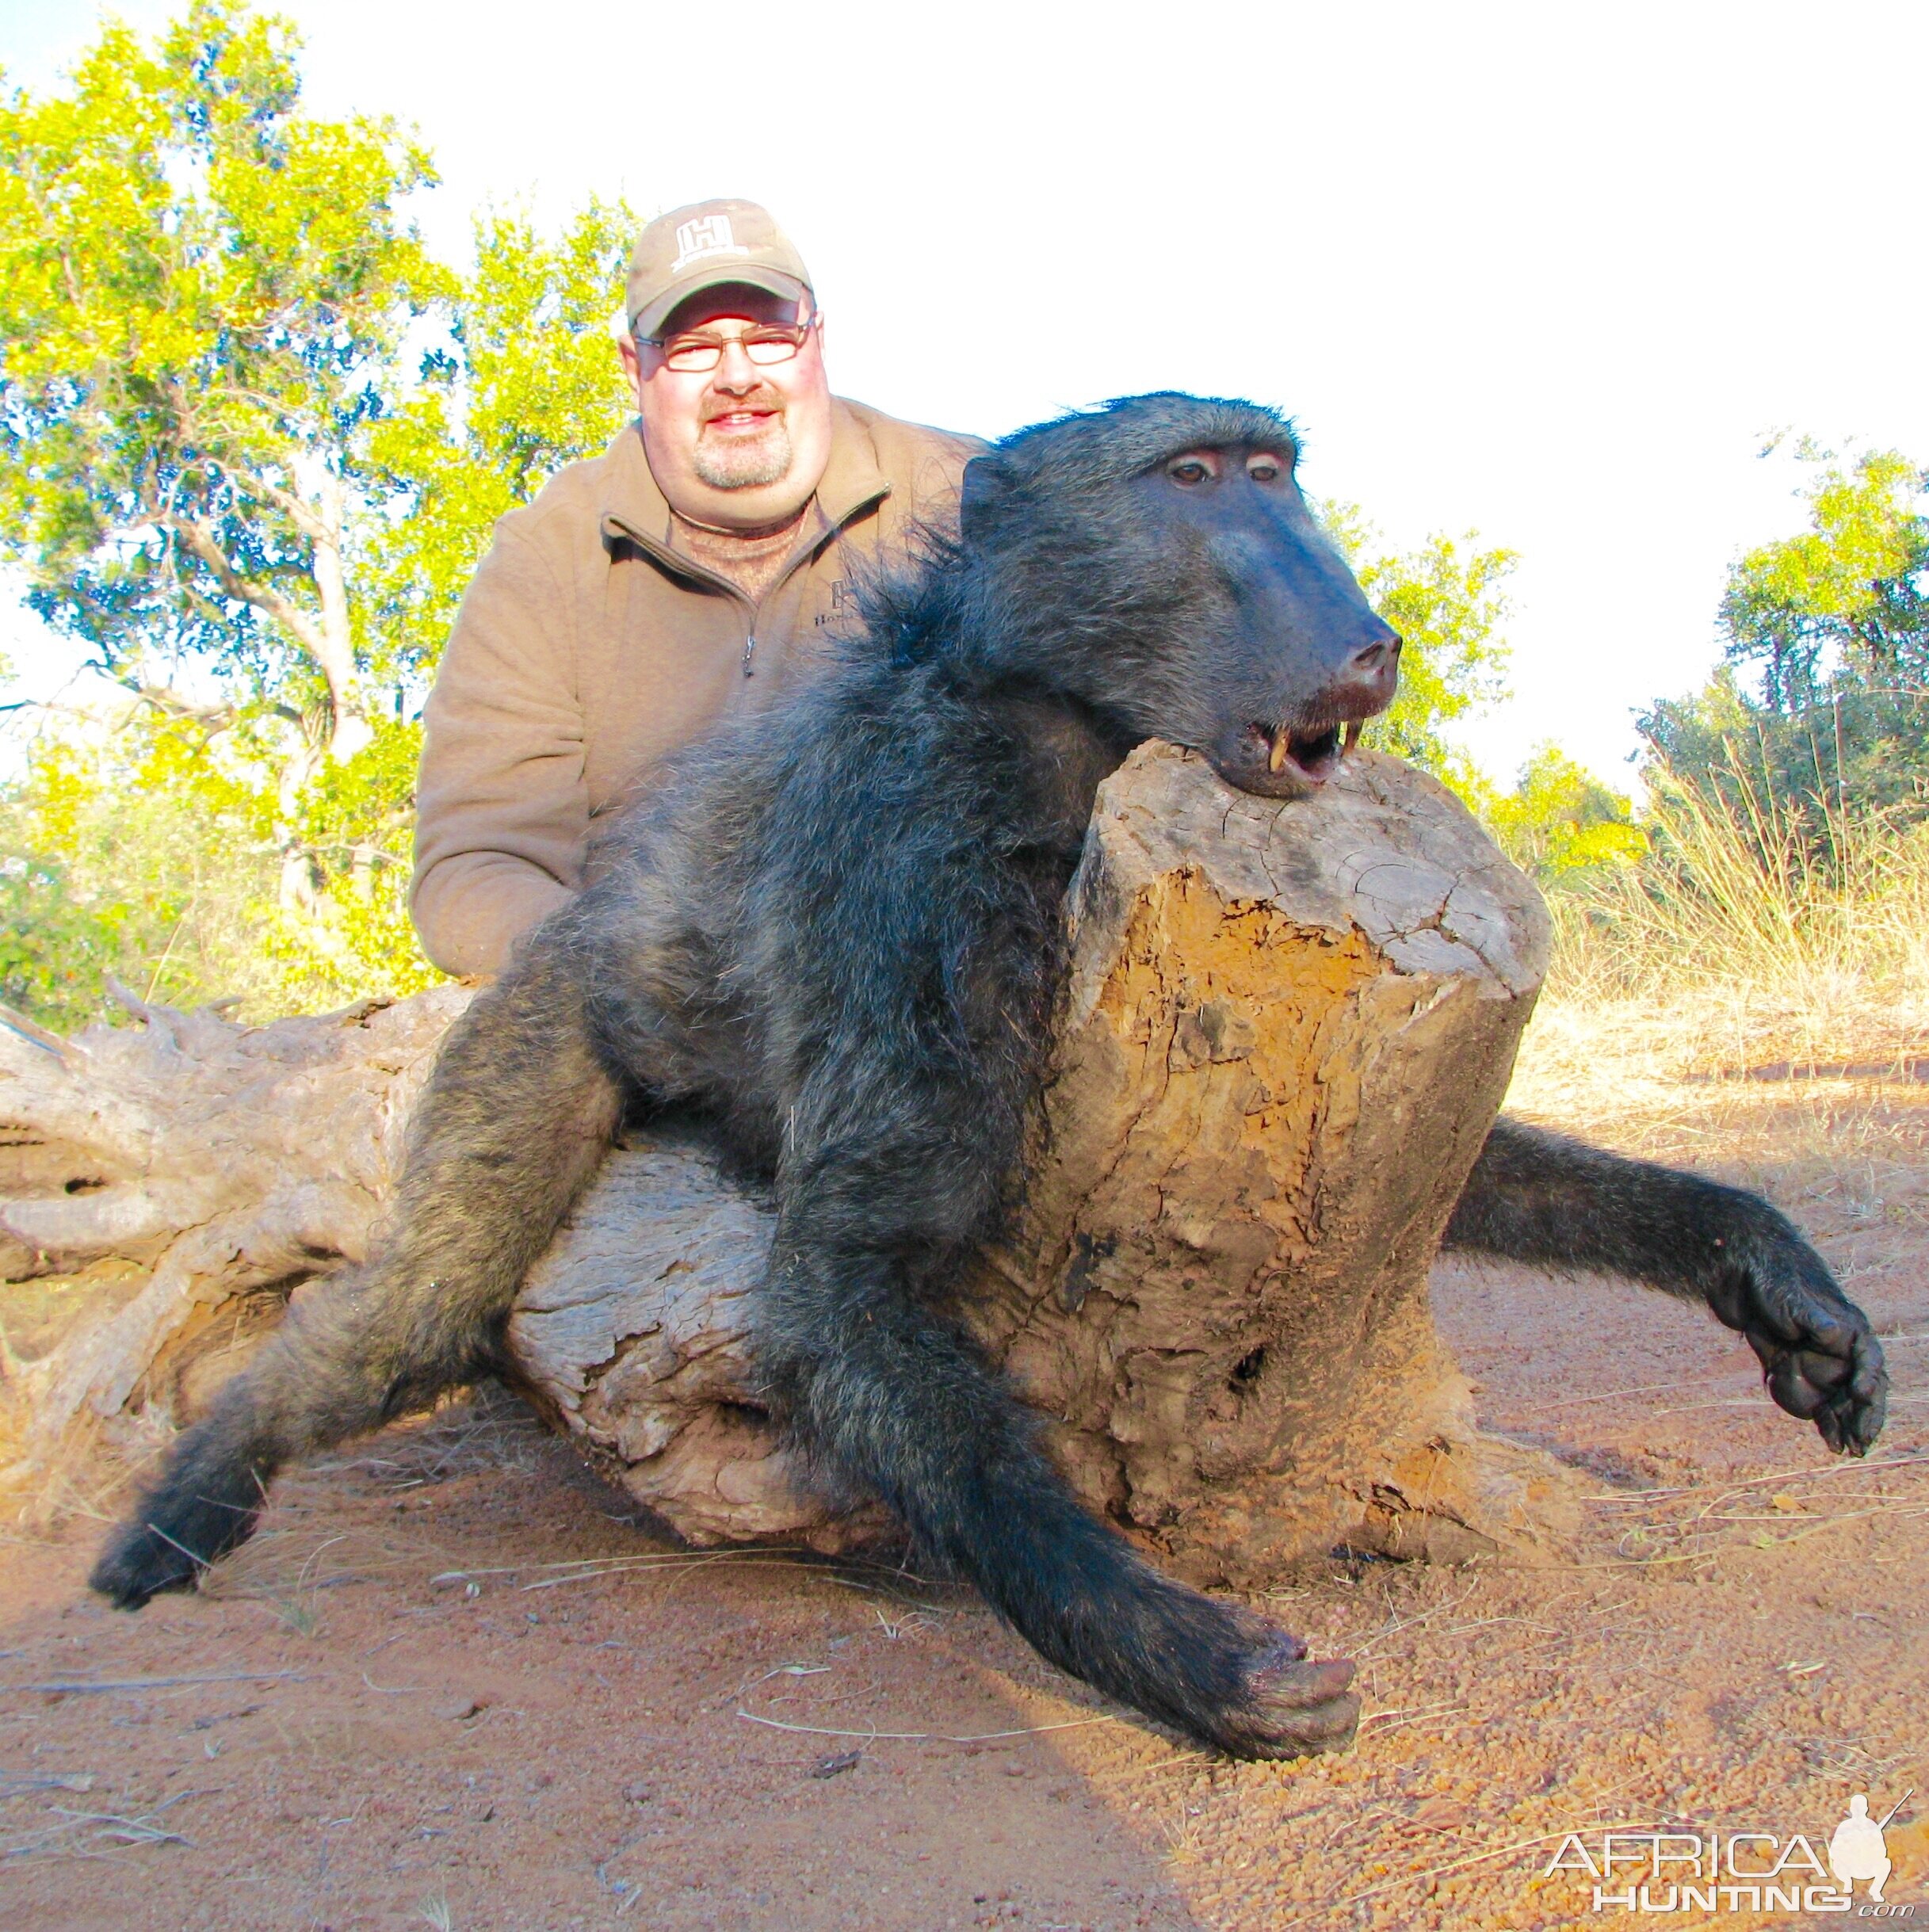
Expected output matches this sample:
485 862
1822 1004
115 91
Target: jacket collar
634 505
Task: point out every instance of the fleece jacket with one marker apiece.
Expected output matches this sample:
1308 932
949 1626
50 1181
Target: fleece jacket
589 647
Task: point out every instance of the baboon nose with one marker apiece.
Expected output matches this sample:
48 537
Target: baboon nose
1372 669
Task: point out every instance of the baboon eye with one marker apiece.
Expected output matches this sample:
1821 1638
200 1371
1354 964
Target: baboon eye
1265 469
1190 471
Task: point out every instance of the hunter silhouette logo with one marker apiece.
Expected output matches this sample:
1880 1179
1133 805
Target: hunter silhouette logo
1727 1870
1857 1851
709 235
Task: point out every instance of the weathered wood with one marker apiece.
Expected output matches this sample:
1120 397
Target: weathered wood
1286 1031
165 1187
1289 1028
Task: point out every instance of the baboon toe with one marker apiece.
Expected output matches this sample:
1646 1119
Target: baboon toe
1293 1708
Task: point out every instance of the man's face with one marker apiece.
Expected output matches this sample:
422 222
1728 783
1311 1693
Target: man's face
742 446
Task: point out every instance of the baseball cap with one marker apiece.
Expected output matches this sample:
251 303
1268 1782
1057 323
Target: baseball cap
700 245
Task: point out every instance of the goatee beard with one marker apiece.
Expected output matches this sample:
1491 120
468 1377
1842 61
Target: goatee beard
744 463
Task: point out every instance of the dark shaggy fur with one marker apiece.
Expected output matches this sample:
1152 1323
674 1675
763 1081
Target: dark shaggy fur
838 932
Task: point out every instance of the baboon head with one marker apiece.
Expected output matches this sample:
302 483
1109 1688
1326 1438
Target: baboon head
1154 561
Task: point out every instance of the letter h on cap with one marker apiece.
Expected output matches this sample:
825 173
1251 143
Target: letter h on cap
709 234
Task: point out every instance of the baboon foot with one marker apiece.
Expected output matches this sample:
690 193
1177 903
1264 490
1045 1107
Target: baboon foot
1292 1707
182 1525
1231 1679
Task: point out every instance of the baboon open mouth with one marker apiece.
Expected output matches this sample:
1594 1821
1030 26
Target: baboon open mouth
1310 752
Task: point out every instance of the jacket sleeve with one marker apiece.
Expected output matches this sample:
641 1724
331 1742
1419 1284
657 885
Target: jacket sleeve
502 805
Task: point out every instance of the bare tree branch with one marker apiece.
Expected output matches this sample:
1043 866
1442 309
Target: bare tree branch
298 512
201 543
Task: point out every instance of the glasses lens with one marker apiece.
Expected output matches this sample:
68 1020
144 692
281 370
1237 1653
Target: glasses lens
765 349
691 355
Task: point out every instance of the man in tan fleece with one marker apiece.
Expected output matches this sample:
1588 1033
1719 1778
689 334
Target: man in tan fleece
684 577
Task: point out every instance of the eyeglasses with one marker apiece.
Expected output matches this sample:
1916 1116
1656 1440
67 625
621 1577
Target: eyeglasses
700 350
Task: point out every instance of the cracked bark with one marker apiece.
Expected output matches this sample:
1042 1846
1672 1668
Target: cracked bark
1286 1031
165 1187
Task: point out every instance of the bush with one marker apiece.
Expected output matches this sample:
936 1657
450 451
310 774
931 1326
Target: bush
148 852
1560 823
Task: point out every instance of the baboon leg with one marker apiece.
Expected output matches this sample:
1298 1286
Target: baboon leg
512 1125
891 1396
1540 1198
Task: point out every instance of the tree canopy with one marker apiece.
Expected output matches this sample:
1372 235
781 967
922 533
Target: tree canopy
253 439
1833 624
1447 601
1560 823
523 380
1845 603
202 296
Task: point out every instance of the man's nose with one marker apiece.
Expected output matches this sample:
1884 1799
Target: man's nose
735 370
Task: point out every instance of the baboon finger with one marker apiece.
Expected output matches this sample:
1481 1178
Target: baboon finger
1293 1708
1864 1408
1791 1387
138 1565
1846 1399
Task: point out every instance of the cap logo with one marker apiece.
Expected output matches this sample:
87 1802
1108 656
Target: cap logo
709 234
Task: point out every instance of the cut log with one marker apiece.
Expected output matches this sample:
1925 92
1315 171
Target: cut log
1286 1031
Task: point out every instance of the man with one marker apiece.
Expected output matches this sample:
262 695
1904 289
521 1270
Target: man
686 576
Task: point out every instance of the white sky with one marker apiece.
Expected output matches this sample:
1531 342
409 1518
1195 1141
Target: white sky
1546 270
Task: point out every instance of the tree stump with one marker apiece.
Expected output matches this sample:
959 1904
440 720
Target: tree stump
1289 1028
1286 1032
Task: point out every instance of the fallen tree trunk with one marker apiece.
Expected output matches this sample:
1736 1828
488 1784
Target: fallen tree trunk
1286 1032
165 1187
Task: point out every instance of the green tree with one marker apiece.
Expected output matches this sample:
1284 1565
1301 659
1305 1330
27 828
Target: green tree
1447 600
1560 823
253 441
202 295
1834 622
1846 602
137 851
527 380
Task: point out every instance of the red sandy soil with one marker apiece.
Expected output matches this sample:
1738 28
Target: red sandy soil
452 1684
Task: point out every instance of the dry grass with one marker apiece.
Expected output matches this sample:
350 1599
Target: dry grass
1815 931
1754 963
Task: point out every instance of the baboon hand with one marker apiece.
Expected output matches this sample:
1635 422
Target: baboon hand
1819 1355
1292 1707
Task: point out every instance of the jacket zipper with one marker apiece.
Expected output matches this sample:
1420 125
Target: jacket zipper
686 567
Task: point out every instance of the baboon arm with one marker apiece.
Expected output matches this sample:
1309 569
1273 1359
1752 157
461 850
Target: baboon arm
891 1396
1540 1198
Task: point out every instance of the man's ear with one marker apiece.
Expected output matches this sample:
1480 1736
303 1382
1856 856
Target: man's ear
982 502
632 364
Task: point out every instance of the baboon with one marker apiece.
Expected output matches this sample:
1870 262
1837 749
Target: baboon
836 932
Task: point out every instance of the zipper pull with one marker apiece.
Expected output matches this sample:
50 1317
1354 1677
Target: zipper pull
750 651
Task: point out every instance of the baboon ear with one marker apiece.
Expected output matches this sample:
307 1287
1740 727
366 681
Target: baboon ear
981 504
